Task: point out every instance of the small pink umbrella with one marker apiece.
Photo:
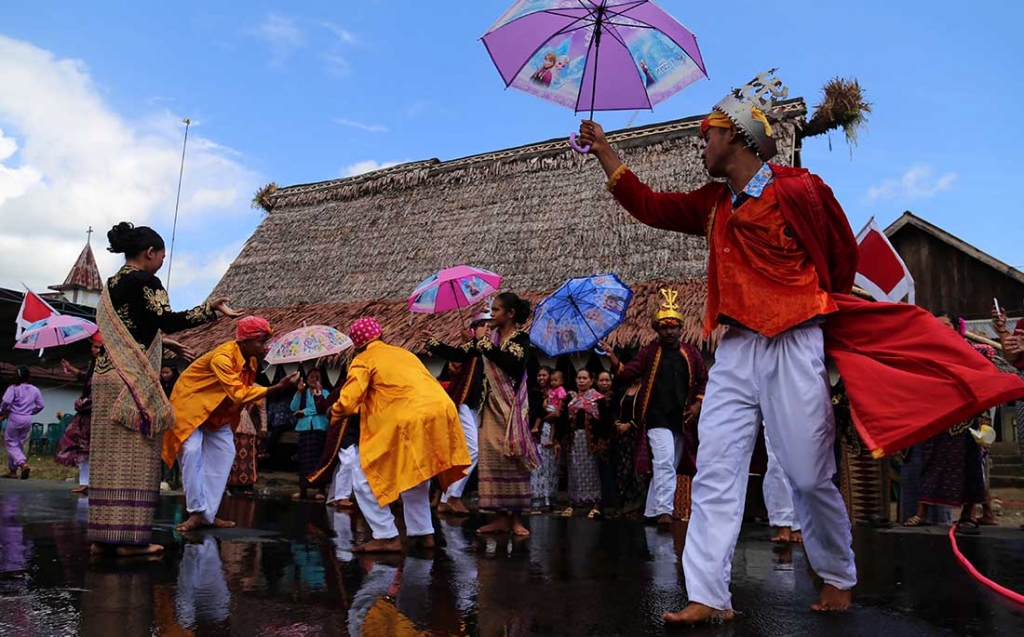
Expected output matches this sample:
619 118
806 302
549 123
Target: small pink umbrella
453 289
54 331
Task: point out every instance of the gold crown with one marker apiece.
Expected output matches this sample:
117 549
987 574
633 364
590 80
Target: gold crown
669 306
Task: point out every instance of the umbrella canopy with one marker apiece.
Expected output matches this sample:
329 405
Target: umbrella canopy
453 289
54 331
579 314
596 55
307 343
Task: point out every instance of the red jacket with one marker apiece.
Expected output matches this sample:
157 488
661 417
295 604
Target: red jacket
908 377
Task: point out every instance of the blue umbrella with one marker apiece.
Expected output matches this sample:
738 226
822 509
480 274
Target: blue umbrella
579 314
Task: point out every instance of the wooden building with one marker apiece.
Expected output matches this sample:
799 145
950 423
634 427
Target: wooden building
951 275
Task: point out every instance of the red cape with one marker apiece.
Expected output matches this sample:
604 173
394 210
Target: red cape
908 376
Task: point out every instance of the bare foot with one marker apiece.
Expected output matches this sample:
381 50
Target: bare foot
223 524
694 613
426 541
498 526
131 551
194 521
99 549
665 520
392 545
83 489
457 507
833 599
519 530
796 538
783 536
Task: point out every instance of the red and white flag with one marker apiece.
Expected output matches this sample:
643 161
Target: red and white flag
880 269
33 308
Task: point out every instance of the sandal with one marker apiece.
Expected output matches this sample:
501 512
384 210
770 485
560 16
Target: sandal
25 470
916 520
594 514
967 527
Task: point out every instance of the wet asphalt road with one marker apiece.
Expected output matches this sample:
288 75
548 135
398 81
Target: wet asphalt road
287 570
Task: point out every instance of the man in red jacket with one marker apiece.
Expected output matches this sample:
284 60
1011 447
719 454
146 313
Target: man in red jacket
771 273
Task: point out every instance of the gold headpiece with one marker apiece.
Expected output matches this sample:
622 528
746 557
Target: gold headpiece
669 306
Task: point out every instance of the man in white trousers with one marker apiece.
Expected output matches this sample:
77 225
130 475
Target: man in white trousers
409 432
778 499
207 400
779 246
466 389
672 376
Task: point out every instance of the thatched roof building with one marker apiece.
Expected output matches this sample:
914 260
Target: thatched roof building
329 252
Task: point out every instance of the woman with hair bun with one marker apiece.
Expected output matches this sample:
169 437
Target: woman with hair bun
505 464
130 409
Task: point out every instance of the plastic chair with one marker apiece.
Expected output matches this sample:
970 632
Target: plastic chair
36 440
54 432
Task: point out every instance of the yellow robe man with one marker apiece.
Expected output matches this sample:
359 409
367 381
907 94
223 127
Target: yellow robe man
211 393
409 427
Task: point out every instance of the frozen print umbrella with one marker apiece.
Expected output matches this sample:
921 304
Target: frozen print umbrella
453 289
579 314
54 331
594 55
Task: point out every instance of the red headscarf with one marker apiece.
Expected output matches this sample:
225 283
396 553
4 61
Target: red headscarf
252 328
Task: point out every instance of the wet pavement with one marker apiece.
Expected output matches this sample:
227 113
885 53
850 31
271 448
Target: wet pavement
287 570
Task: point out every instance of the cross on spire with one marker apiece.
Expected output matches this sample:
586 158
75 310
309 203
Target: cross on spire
88 235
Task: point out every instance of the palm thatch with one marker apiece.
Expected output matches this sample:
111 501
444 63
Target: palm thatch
262 198
842 106
334 251
405 330
537 214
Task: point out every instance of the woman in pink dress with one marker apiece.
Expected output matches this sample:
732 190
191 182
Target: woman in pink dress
21 401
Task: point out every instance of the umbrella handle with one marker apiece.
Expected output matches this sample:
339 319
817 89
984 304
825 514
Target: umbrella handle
583 150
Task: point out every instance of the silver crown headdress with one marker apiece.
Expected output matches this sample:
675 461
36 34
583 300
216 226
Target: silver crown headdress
751 108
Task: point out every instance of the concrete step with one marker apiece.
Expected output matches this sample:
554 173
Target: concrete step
1007 461
1006 481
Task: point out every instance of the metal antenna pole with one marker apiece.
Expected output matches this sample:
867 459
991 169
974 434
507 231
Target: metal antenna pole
177 200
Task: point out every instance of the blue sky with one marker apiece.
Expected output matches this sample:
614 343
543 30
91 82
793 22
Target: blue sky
93 94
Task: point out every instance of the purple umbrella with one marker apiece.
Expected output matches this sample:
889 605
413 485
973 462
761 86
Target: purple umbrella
553 49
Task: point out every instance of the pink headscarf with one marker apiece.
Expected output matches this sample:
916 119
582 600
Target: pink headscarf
364 331
252 328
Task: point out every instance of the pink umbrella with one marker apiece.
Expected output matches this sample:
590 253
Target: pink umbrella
453 289
54 331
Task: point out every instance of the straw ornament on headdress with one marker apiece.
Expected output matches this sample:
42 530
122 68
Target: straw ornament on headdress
669 310
750 109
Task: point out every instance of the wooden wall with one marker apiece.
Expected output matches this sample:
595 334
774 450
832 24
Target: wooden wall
948 279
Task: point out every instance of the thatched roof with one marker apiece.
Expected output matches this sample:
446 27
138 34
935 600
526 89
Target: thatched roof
395 317
537 214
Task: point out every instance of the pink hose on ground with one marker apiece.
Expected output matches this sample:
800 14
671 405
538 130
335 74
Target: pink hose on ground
1002 590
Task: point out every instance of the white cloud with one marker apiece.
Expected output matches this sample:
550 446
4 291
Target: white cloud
193 275
920 182
335 64
419 107
342 34
67 162
369 128
366 166
281 34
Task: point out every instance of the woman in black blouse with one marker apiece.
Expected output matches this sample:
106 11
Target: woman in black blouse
130 409
504 480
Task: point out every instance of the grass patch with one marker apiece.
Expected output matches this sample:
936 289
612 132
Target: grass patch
44 468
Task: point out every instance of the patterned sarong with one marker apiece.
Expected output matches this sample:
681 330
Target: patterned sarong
130 412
